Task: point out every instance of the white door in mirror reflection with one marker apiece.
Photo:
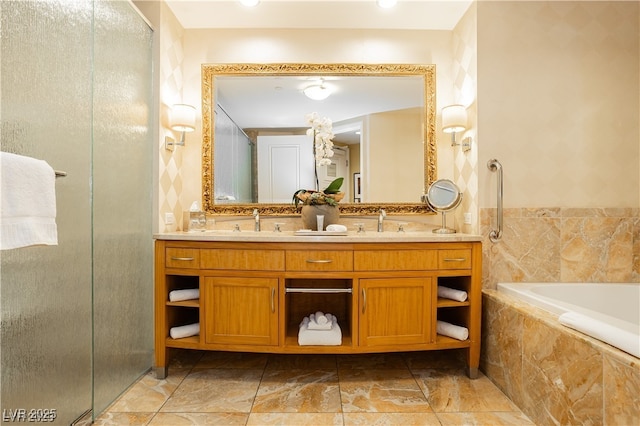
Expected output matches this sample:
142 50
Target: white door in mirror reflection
285 164
339 167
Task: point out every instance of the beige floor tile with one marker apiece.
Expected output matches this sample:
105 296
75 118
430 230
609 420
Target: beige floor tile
384 391
392 361
215 390
232 360
184 358
149 393
453 391
453 358
485 419
298 391
123 419
295 361
391 419
197 419
295 419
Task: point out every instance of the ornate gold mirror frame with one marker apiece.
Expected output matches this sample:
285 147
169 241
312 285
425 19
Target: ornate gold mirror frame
210 71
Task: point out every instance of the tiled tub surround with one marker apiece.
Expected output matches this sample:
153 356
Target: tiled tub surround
562 245
554 374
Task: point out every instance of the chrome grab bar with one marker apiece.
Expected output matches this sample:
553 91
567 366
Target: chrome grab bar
495 166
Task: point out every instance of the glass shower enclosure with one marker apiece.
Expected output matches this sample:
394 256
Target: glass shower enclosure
76 91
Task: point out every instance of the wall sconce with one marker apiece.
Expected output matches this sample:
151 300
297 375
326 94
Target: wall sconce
454 120
183 119
317 92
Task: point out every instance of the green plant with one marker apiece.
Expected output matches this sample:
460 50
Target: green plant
331 195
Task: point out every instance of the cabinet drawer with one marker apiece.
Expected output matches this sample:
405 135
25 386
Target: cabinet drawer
454 259
395 260
319 260
241 259
185 258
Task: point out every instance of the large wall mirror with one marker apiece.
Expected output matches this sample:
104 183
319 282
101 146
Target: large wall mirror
383 119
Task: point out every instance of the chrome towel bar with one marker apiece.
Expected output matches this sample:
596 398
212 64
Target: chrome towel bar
495 166
317 290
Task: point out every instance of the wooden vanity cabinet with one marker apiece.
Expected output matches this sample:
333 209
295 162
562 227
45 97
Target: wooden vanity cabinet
253 295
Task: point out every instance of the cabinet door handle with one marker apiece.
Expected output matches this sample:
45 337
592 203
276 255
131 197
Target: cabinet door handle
456 259
187 259
273 298
319 260
364 300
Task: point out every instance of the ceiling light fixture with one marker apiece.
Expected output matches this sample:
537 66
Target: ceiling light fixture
249 3
386 4
317 92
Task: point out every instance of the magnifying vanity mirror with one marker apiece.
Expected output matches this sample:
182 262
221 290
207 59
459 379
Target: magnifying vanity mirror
385 165
443 196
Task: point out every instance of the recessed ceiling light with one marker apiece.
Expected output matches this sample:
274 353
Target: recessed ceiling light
386 4
249 3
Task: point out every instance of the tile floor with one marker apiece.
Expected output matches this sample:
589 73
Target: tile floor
225 388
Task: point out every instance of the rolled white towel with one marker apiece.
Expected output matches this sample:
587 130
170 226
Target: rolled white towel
453 294
185 331
336 228
451 330
313 324
187 294
321 318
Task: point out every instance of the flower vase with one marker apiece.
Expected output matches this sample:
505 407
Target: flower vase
309 215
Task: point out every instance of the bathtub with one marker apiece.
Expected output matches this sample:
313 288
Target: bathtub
607 312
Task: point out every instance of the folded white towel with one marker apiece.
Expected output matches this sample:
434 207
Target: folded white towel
627 340
336 228
28 202
451 330
453 294
186 294
332 337
312 323
185 331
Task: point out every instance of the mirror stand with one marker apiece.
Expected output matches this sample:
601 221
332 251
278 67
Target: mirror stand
444 229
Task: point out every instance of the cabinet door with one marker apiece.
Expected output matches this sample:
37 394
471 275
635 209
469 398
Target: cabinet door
241 311
395 311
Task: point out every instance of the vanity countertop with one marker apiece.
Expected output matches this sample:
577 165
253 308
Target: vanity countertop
291 237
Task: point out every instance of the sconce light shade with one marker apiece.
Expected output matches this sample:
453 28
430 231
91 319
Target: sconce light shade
317 92
454 119
183 118
249 3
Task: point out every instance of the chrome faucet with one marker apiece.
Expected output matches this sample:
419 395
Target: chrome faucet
256 217
381 217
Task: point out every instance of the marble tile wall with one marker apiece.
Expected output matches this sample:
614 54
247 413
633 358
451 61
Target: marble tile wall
554 374
562 245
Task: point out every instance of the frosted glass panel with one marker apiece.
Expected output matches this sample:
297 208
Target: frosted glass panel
78 97
122 235
45 293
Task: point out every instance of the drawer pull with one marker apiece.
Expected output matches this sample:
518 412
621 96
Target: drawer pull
187 259
319 260
456 259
